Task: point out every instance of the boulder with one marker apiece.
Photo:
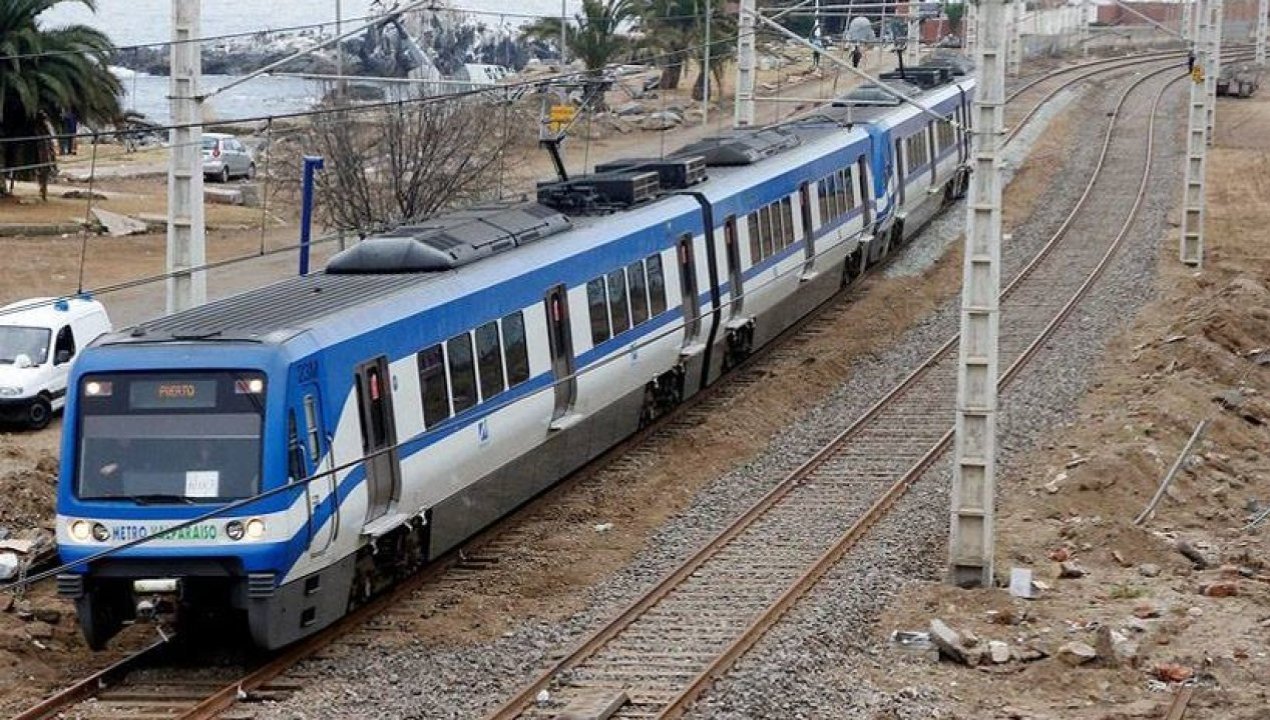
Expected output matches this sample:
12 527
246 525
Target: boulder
1173 672
1071 569
630 108
8 565
999 651
661 121
1077 653
1146 611
1149 570
1225 588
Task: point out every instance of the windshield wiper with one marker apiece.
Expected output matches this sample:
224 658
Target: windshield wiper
161 499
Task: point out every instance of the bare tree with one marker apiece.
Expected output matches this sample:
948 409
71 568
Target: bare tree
412 161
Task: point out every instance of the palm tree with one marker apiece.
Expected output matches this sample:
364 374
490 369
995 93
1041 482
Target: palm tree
722 48
670 29
44 74
594 36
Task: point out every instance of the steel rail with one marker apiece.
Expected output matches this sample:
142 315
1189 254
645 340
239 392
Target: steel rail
93 684
600 638
878 510
231 693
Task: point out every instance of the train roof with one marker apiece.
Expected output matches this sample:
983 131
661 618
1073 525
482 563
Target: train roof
483 245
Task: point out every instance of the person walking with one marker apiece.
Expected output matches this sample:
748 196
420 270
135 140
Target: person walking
856 57
70 126
1190 62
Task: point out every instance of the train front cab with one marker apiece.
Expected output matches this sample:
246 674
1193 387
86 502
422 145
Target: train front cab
149 443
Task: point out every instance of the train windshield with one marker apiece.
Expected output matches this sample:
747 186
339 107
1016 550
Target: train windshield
170 437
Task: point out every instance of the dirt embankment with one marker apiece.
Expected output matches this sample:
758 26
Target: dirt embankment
1151 614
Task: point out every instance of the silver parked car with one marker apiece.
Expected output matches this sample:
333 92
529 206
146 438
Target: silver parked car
225 157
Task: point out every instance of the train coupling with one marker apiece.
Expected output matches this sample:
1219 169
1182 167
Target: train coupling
156 598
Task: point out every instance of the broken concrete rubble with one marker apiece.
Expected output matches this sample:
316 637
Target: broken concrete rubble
1077 653
947 640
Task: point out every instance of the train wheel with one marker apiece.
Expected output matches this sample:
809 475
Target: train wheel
99 619
854 266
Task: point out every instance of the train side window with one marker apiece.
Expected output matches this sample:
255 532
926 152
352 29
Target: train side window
787 222
516 349
838 205
489 360
618 307
312 426
822 191
756 248
771 230
458 350
656 286
599 308
433 386
639 291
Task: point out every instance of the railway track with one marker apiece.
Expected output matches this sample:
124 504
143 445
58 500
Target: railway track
124 690
666 648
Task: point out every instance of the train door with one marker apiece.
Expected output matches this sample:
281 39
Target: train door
866 191
809 241
931 153
379 436
733 249
311 454
899 168
688 289
560 341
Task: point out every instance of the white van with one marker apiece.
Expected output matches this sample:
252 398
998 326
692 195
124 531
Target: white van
38 340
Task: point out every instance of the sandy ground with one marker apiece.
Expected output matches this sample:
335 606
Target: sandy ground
1195 353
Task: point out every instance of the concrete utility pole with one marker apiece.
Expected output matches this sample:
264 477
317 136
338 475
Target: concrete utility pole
1187 33
912 48
969 21
745 61
1014 12
972 540
1263 7
1083 27
1213 68
705 69
186 233
564 24
1192 245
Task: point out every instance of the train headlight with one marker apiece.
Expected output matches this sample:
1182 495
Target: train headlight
255 528
234 529
100 532
10 391
81 530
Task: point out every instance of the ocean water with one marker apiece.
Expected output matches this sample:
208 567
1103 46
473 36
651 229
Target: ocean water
130 22
148 94
133 22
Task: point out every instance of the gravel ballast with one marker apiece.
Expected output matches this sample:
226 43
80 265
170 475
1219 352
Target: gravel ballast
792 665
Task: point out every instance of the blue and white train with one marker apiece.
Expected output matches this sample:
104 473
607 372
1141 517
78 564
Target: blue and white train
449 371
